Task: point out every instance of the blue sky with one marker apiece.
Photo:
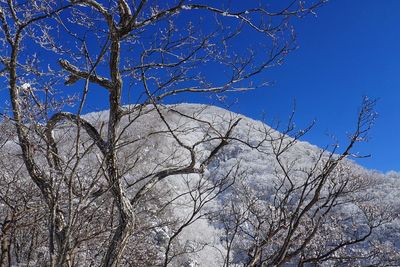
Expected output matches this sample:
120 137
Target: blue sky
350 50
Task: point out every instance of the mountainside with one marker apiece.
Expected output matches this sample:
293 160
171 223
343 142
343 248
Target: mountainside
263 198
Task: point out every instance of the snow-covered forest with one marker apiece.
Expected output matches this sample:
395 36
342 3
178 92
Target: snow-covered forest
261 189
146 183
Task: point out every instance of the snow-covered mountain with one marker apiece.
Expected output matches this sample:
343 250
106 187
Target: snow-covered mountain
252 152
244 203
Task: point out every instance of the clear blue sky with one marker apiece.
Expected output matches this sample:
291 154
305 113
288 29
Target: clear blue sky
351 49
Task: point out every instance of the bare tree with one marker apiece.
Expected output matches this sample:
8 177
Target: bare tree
150 50
314 213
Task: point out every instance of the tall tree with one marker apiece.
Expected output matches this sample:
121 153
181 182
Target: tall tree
93 193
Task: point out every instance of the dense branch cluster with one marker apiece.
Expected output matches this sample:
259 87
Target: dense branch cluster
104 190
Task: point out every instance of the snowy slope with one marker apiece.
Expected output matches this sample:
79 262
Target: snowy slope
248 154
258 169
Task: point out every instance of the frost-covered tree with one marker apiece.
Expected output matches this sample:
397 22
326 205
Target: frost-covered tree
90 190
316 208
